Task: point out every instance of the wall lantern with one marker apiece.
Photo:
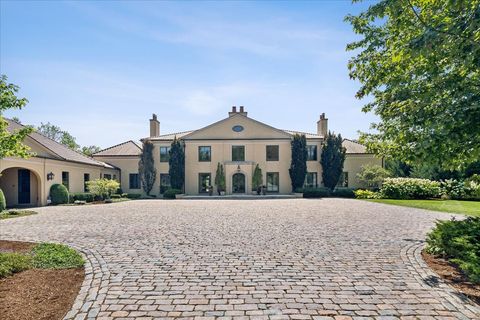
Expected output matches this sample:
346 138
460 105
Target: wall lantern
50 176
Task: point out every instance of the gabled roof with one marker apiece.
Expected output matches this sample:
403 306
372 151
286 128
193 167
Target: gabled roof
307 135
128 148
57 149
353 146
171 136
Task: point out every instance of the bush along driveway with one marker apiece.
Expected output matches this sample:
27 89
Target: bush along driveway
276 259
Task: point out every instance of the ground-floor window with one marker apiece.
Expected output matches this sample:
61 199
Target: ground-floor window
343 181
107 176
204 181
273 182
134 181
86 178
164 182
66 179
311 180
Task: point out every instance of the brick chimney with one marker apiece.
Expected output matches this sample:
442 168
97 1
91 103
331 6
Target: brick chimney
234 111
322 125
154 126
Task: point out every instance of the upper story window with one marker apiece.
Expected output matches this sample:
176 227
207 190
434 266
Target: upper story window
272 153
205 153
238 153
237 128
312 153
164 154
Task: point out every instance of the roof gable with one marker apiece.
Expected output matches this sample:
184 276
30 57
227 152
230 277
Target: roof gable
248 129
127 148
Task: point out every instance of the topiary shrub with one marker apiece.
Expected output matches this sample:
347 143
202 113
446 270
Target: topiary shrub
343 193
3 202
58 194
316 193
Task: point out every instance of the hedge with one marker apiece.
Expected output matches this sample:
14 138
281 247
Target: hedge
343 193
82 196
58 194
410 188
134 195
171 193
316 193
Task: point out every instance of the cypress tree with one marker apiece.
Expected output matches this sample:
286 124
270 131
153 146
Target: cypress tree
146 167
176 163
332 160
257 179
298 166
220 178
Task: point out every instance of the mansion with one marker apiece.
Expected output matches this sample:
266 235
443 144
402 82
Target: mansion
237 141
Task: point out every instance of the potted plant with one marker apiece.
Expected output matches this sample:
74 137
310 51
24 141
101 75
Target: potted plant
220 180
264 190
210 190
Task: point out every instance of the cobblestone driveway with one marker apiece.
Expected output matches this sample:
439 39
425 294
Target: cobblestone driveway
270 259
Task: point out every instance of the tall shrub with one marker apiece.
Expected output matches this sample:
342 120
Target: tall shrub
103 187
146 167
220 178
332 160
372 176
3 202
58 194
298 166
257 178
177 165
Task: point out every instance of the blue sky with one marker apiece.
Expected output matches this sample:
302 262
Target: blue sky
100 69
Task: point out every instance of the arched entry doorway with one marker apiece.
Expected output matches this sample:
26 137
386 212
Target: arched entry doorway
238 183
21 187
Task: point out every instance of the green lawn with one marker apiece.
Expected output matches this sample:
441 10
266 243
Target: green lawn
7 214
471 208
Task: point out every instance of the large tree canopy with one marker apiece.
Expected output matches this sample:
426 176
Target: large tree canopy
419 62
55 133
11 144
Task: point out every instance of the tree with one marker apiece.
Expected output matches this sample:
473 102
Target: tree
298 166
220 178
177 165
332 159
257 178
418 62
88 151
146 167
55 133
372 176
103 187
397 168
11 143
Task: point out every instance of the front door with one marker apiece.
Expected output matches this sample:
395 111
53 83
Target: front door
23 186
238 183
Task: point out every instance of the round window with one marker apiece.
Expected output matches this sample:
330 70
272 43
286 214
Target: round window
237 128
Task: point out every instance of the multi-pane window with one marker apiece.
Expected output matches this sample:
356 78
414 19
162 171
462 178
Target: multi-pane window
134 181
343 181
238 153
272 181
86 178
312 153
311 180
164 182
205 153
204 182
164 154
107 176
66 179
272 153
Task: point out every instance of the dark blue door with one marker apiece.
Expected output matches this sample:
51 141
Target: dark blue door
23 186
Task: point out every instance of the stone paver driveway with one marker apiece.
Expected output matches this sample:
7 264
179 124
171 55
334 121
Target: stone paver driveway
270 259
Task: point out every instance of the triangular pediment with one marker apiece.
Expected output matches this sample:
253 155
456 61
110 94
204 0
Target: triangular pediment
237 127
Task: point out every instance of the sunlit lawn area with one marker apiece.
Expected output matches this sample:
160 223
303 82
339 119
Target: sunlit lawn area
471 208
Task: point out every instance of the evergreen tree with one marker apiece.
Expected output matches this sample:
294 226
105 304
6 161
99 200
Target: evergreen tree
220 178
332 159
257 179
146 167
298 166
177 165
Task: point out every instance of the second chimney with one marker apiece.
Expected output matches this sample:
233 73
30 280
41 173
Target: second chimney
154 126
322 126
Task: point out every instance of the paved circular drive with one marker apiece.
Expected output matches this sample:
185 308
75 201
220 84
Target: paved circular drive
268 259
